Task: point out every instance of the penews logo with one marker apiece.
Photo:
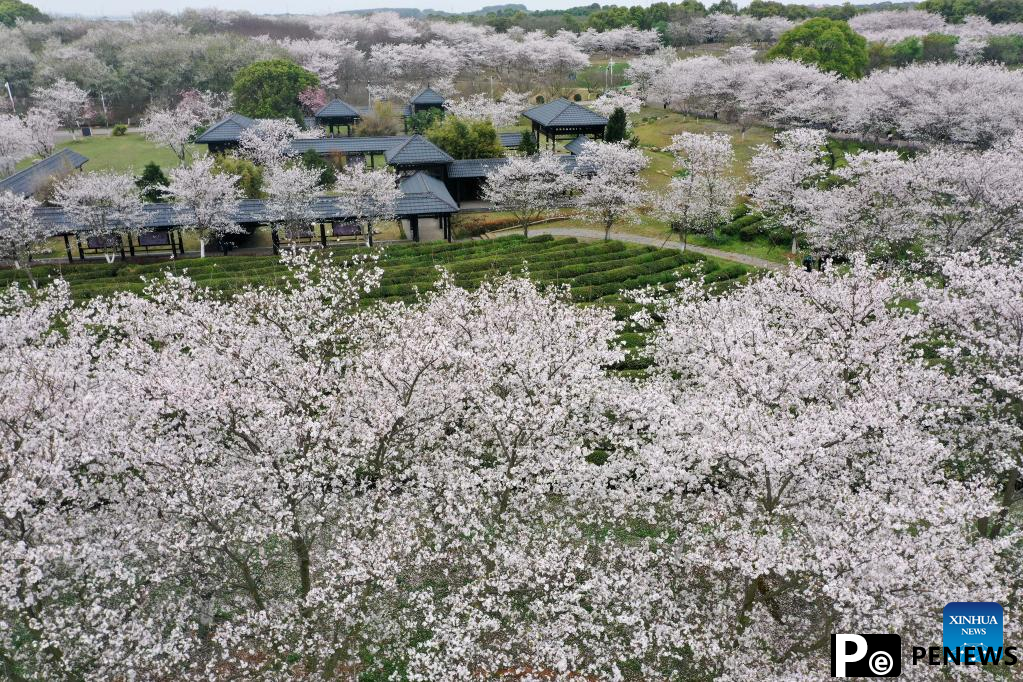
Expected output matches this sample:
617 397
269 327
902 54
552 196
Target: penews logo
866 655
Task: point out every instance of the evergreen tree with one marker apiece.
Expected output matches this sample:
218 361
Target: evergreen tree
527 145
151 182
617 126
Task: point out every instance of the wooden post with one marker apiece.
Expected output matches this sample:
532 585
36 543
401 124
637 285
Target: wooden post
120 243
81 254
67 249
131 247
323 233
275 239
413 225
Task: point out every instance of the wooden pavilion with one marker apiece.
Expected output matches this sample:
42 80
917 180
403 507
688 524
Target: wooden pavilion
562 119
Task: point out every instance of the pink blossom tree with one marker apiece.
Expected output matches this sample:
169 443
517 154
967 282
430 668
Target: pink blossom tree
368 196
172 128
205 199
703 197
268 142
785 176
68 102
14 143
41 126
801 401
530 187
291 193
613 187
22 233
978 314
102 204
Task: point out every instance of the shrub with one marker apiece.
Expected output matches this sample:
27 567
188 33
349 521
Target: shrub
466 139
251 176
577 97
540 99
119 130
380 122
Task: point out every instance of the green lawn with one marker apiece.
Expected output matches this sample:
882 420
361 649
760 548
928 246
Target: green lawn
128 152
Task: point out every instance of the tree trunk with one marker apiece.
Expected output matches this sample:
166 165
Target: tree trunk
795 242
525 230
28 271
202 248
607 232
109 256
684 239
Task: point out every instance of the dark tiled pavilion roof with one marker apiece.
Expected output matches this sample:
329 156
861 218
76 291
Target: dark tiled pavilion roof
417 151
422 194
428 96
562 113
336 109
576 145
425 194
28 181
226 130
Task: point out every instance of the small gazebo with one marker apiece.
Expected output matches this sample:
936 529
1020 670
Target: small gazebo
335 114
223 135
426 99
562 119
419 154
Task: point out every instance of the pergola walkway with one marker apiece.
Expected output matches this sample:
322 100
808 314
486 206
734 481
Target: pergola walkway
586 233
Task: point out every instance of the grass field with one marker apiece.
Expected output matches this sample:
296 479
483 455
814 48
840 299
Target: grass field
127 152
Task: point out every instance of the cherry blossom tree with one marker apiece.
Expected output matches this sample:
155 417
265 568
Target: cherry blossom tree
801 400
504 111
41 125
530 187
785 176
615 99
269 141
966 199
14 144
978 315
172 128
368 196
895 26
958 103
68 102
703 197
643 72
946 200
624 40
613 188
204 106
291 193
871 211
102 204
205 199
285 481
22 233
313 99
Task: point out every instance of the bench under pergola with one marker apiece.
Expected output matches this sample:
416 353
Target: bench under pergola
423 196
562 119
